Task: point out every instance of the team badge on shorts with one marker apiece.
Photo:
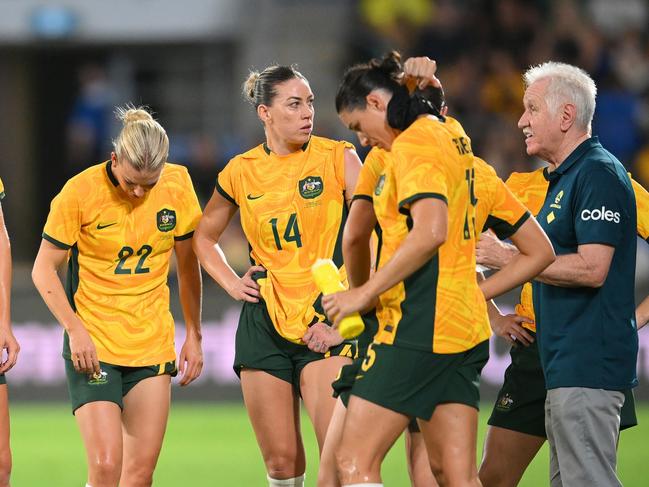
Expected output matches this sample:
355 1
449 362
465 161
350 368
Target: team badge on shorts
98 378
310 187
166 220
378 189
504 402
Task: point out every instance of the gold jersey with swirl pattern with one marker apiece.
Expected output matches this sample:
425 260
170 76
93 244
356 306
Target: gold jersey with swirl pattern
439 308
496 208
292 212
531 188
119 254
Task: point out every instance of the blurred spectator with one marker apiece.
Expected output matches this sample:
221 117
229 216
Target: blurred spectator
89 126
483 46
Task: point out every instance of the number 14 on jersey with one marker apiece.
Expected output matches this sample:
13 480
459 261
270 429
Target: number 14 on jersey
291 232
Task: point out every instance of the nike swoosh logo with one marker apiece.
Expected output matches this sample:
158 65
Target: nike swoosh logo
101 227
251 197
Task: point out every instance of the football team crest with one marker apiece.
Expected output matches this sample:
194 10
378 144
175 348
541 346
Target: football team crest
98 378
166 220
504 402
378 189
311 187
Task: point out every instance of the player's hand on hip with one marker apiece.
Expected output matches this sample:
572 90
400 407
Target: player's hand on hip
190 362
246 288
510 328
320 337
83 351
9 343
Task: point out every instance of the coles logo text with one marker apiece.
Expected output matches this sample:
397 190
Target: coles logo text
601 214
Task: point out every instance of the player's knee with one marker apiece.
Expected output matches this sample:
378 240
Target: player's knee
492 474
139 473
348 463
283 465
438 473
141 478
105 470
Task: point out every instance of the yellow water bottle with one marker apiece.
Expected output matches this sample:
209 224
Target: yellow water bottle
327 278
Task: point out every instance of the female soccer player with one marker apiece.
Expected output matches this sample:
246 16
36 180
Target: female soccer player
433 326
292 192
116 224
7 342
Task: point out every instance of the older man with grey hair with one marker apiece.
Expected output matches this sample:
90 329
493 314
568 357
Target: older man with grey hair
584 301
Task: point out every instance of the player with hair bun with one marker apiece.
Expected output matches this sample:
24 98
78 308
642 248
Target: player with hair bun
116 224
427 356
293 192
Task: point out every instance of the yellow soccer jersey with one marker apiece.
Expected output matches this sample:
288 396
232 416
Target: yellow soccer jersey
369 174
531 188
440 307
497 207
292 213
642 205
119 259
2 190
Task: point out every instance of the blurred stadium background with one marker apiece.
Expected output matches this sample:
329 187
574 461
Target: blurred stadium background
64 65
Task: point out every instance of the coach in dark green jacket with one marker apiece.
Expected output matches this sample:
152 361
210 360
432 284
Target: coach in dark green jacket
584 301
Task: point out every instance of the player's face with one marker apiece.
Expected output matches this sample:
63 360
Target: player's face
290 116
371 126
541 127
135 184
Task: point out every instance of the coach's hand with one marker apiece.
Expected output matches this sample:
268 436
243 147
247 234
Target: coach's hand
320 337
190 361
83 351
509 327
246 288
8 341
492 252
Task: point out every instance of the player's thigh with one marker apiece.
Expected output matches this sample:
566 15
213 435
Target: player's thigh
450 436
144 421
96 404
317 393
274 411
100 424
362 441
507 454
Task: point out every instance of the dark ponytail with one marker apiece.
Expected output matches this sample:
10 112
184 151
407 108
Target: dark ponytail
404 108
360 80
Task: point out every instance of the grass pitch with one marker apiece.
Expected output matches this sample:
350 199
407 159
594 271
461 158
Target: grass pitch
212 444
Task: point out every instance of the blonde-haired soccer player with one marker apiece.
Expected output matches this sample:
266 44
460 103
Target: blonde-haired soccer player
7 342
116 224
292 192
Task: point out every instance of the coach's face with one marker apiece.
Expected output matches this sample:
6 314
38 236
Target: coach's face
541 127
